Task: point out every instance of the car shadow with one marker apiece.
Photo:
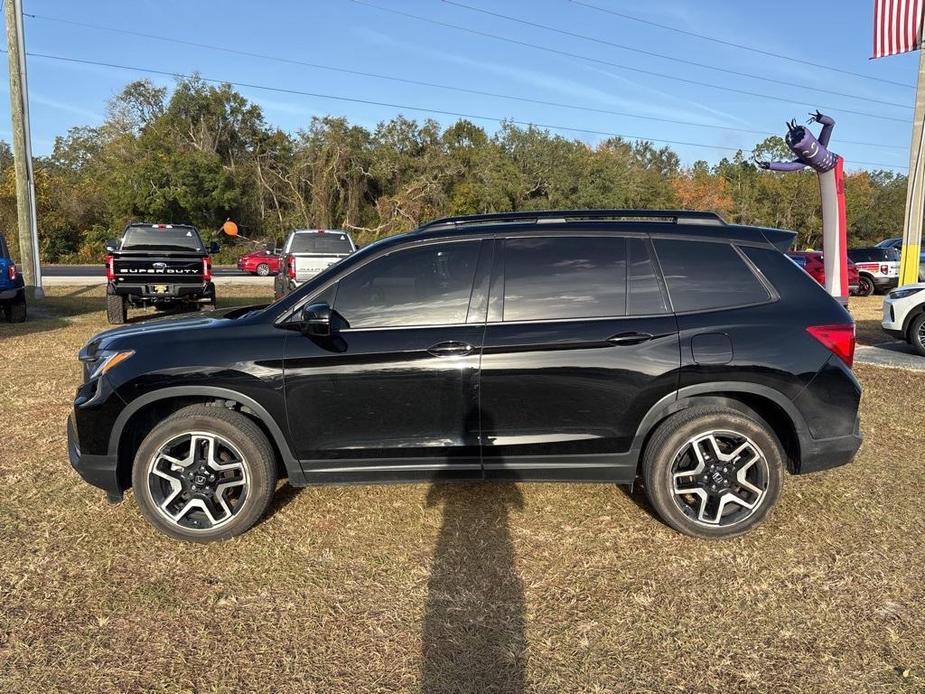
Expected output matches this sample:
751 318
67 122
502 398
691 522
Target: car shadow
473 635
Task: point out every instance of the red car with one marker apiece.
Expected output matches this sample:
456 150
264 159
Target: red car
811 261
261 263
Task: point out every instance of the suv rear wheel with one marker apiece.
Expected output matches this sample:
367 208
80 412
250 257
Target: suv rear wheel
16 311
713 472
865 286
204 473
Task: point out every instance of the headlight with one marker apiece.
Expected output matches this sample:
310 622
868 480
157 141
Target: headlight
903 293
101 362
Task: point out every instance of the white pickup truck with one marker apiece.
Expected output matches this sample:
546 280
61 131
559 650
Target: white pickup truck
306 253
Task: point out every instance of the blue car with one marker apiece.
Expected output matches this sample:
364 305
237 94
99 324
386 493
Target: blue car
12 293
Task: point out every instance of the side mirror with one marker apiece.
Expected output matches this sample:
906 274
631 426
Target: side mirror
316 320
111 246
214 247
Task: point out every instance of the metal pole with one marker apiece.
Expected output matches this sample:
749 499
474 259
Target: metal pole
22 150
915 190
30 169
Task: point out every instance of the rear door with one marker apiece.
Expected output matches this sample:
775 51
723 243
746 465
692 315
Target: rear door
578 346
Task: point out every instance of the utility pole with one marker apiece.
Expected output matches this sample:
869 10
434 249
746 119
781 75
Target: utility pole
22 149
915 188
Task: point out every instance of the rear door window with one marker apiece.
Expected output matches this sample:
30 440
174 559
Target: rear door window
702 275
556 277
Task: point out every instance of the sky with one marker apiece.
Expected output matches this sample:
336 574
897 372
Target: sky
621 89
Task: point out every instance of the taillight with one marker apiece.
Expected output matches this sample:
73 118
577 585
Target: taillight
110 268
290 267
207 269
11 272
838 339
884 269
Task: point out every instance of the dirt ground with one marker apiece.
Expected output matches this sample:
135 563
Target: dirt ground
543 587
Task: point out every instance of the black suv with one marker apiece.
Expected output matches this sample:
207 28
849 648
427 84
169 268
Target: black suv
588 345
160 265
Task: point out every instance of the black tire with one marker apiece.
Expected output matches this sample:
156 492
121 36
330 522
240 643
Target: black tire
16 311
866 286
916 334
257 460
263 270
670 447
116 309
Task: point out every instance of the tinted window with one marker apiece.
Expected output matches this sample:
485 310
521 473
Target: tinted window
420 286
161 239
861 255
575 277
325 242
702 275
645 295
4 253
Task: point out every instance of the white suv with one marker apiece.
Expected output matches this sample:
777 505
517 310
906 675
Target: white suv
904 315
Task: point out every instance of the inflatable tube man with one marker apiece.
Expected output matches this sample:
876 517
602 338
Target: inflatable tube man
813 153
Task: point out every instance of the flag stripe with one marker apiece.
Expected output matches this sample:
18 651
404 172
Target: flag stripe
897 26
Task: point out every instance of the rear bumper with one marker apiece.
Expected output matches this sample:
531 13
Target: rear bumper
822 454
12 294
145 292
98 470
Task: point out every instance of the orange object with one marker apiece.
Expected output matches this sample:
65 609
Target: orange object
230 228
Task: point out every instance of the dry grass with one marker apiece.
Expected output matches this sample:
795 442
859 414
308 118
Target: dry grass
868 312
572 588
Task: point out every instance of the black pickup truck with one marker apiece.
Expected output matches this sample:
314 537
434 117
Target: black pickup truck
160 265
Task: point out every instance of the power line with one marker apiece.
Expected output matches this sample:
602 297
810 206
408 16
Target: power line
355 100
741 46
654 54
404 80
620 66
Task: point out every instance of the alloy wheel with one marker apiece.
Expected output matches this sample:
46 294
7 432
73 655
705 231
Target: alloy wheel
719 478
263 269
198 480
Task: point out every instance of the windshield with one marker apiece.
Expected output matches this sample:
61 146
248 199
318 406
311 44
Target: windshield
162 239
324 242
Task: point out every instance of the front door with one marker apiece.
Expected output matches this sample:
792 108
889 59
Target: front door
579 345
393 394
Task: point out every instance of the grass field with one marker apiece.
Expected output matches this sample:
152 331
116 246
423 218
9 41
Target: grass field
546 587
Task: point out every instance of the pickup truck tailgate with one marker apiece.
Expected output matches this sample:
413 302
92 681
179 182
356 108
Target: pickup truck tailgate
307 266
162 269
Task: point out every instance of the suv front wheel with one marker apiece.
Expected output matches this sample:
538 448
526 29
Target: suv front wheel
713 471
204 473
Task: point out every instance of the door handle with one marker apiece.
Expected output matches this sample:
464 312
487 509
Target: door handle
631 338
450 349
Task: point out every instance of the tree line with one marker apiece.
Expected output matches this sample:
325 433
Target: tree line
204 154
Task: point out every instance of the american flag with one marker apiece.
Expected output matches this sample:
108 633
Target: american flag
897 26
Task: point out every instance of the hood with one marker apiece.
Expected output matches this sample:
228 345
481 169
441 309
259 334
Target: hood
129 335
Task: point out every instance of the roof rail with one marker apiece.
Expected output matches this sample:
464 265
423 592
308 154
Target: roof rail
562 216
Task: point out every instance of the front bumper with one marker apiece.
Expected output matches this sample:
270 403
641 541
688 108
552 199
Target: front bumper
98 470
